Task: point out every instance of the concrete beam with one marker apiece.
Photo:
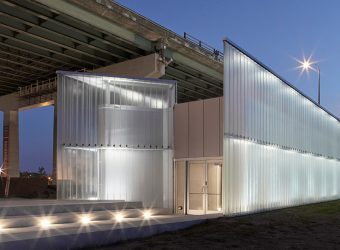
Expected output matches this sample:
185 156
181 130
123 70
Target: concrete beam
13 102
92 18
195 64
150 66
9 102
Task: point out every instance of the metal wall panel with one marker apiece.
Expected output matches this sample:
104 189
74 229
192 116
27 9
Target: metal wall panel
280 148
115 139
181 128
196 129
211 128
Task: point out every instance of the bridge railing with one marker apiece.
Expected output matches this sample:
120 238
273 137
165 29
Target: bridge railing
216 53
38 88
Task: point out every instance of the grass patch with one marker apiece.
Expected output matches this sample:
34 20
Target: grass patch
315 226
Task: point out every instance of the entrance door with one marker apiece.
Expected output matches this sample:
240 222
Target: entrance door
204 187
196 188
214 187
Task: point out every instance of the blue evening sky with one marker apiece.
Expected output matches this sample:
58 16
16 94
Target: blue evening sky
273 31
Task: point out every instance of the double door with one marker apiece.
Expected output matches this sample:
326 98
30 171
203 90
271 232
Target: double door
199 186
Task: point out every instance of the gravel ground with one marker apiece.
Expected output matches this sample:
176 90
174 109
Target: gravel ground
314 226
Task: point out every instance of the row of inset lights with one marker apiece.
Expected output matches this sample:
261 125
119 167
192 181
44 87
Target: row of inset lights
45 223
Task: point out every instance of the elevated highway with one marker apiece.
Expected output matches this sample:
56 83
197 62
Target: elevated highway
39 37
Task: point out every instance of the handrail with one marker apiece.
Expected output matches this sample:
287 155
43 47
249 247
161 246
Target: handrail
218 54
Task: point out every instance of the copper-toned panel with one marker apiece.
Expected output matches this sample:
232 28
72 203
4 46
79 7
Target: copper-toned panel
221 126
212 127
181 130
196 129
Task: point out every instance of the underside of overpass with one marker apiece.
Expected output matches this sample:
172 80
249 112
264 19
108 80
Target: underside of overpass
39 37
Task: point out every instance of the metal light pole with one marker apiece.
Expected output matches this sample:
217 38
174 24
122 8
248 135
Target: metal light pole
318 70
306 65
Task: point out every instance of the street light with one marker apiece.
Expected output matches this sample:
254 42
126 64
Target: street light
306 65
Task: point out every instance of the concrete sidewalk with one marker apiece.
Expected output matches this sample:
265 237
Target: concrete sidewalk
96 233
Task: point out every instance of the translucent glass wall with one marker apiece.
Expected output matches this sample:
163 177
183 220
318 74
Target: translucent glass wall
115 138
280 148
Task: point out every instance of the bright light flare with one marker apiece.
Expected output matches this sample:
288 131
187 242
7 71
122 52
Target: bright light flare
306 64
45 223
119 217
147 215
85 219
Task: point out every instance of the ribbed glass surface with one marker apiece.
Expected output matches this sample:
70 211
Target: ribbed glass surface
280 149
115 138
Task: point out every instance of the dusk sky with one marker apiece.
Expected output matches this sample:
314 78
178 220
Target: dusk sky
275 32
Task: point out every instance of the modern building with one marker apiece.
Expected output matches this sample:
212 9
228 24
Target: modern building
280 147
228 135
264 145
115 139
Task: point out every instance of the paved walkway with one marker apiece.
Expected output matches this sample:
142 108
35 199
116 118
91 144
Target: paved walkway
94 233
53 224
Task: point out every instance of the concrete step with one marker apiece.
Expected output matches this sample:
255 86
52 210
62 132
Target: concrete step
96 233
56 219
49 207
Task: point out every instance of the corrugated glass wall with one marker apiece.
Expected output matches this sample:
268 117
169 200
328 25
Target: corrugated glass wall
280 148
115 138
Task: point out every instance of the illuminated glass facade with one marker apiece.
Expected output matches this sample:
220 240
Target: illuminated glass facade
280 148
115 138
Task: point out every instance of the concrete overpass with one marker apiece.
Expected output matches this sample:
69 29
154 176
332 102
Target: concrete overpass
38 37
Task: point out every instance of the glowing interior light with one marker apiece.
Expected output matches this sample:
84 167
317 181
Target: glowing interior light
85 219
45 223
147 215
119 217
219 209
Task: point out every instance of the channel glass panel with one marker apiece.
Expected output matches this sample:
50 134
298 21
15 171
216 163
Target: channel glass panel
280 148
115 139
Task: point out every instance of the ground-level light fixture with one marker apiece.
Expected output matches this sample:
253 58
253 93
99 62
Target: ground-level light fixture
147 214
45 223
119 217
85 219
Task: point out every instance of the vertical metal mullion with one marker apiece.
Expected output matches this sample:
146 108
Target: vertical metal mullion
186 205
